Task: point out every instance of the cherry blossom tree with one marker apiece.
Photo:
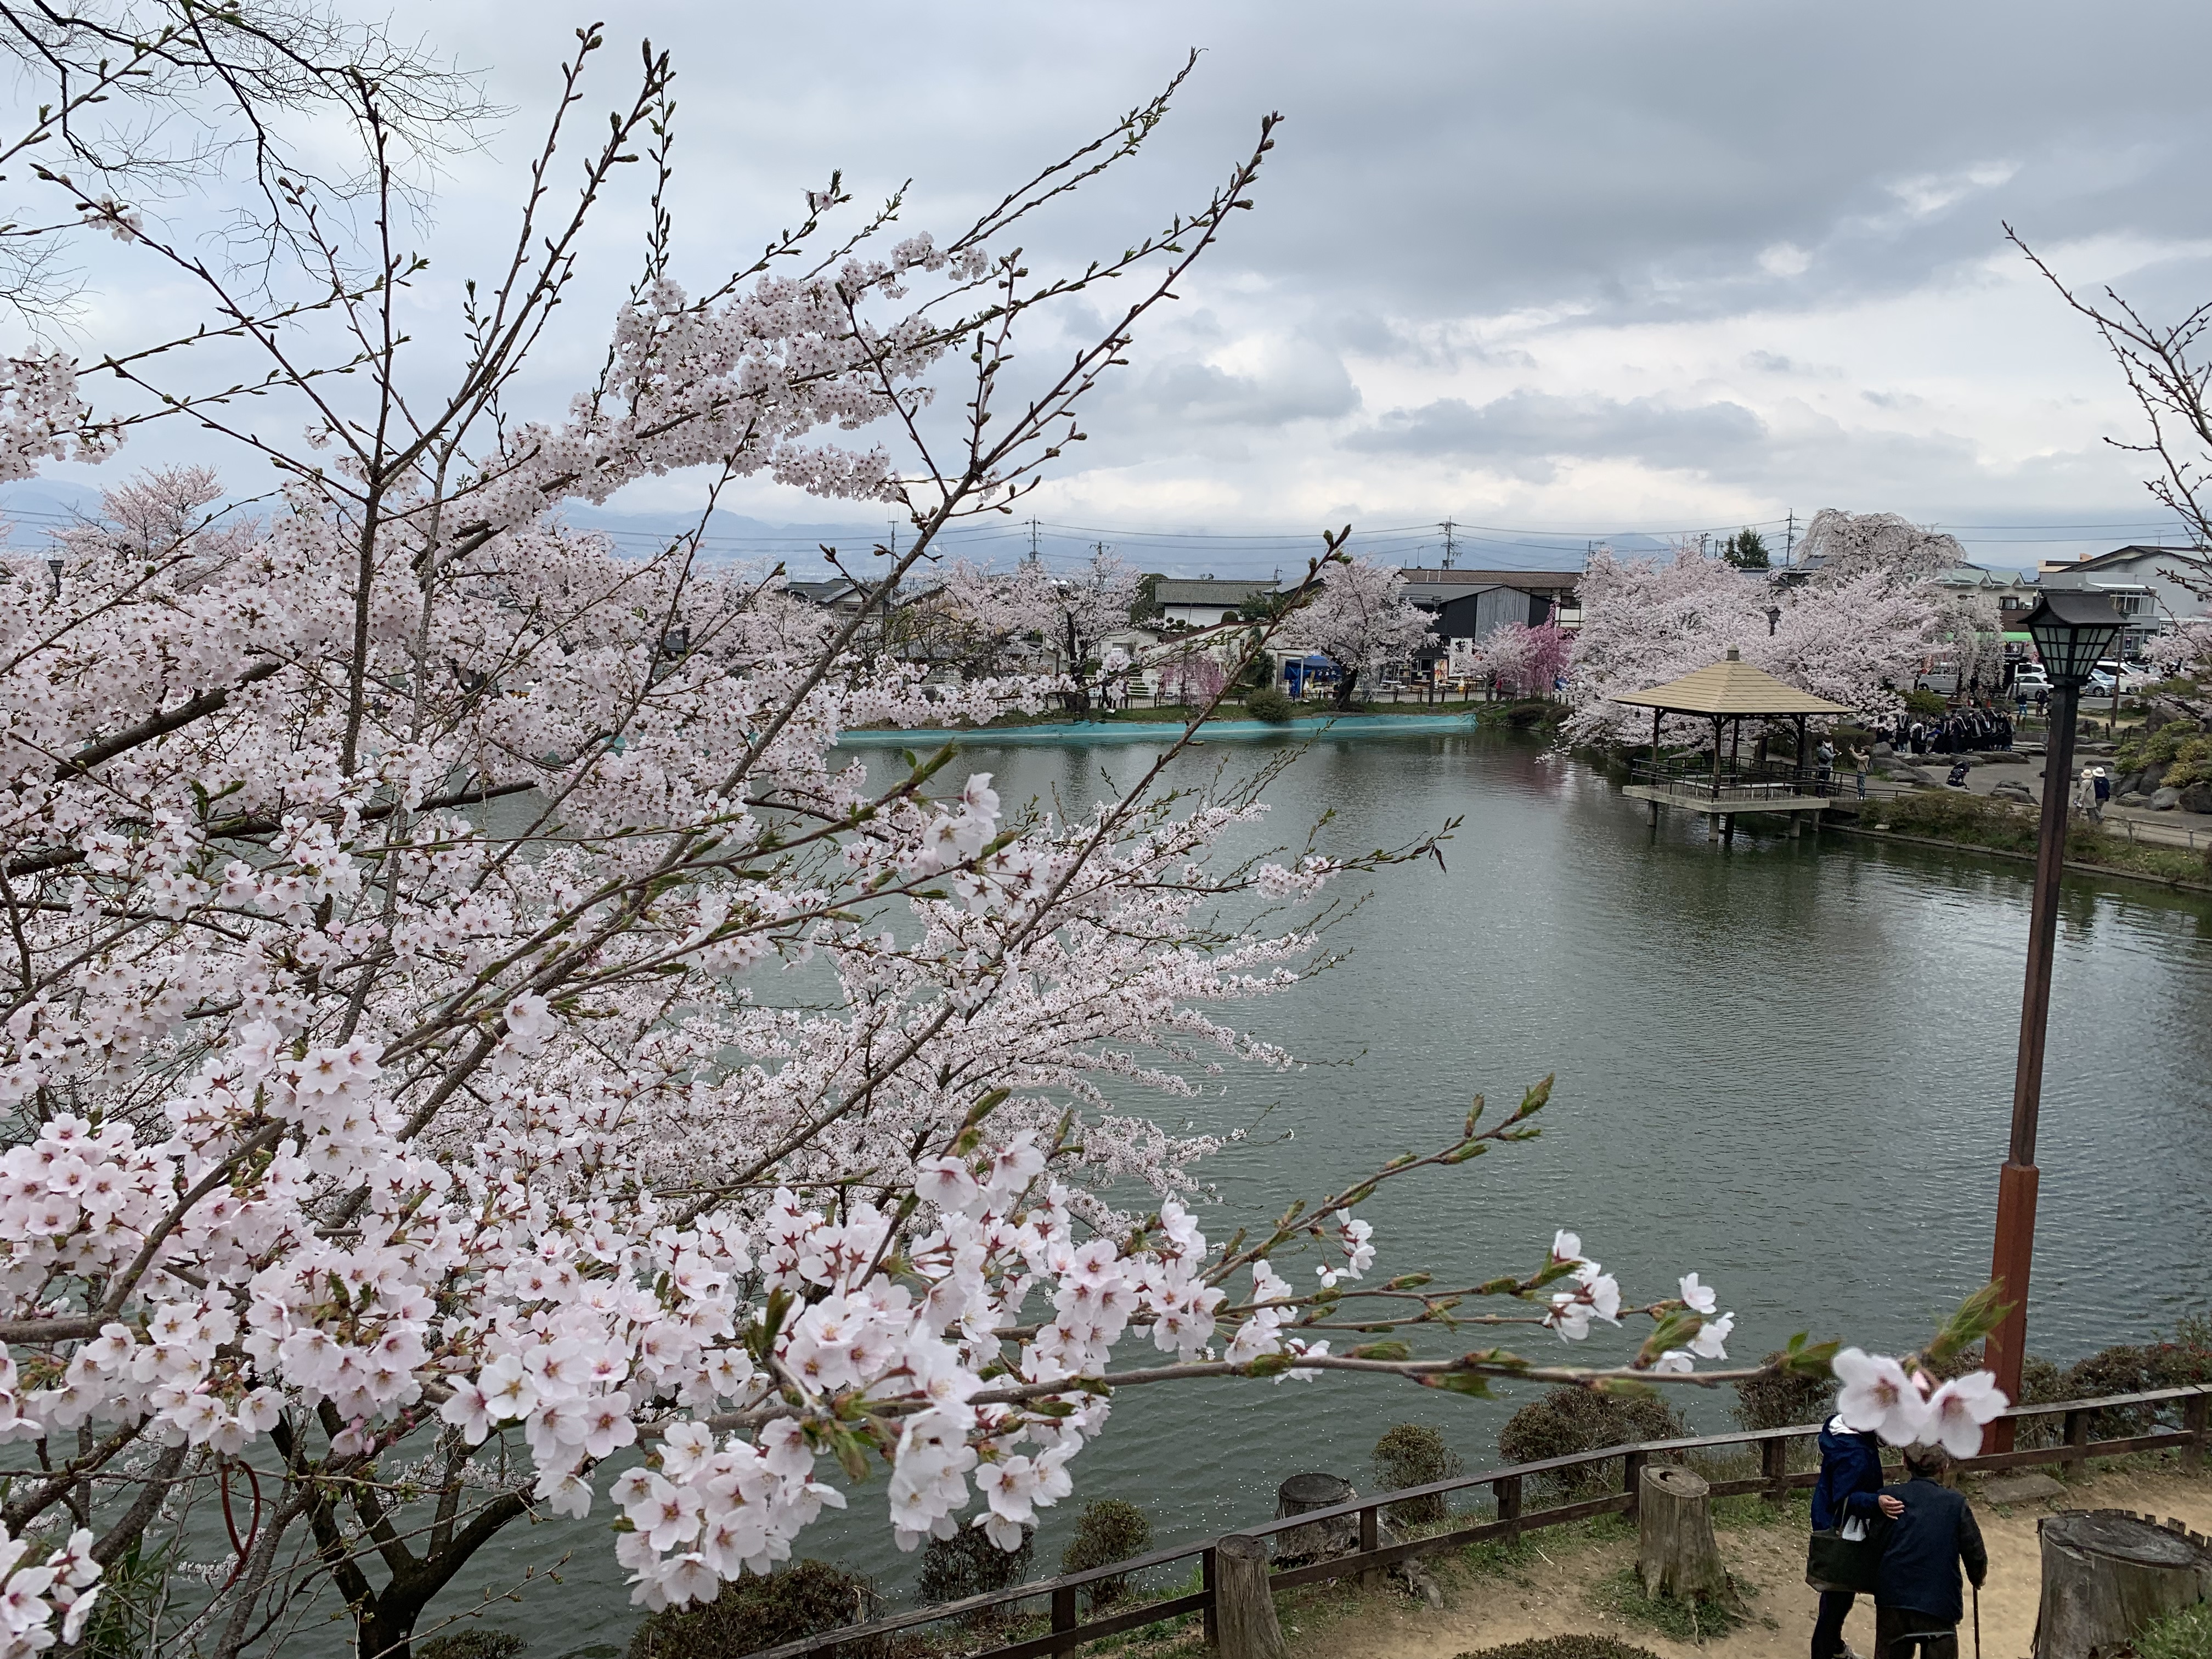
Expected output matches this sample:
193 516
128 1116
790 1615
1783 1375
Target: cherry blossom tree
403 1122
1360 619
1527 662
1854 637
1842 545
1077 611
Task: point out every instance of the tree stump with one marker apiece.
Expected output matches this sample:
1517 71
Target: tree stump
1676 1554
1301 1493
2106 1574
1243 1604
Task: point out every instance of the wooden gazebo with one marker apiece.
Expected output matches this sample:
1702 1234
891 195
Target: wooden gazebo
1731 690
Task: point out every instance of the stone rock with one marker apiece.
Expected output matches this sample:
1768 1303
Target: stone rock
2132 798
2009 791
1882 752
2026 1487
2165 800
2150 777
2196 797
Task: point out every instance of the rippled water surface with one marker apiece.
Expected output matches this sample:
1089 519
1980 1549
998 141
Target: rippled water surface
1787 1064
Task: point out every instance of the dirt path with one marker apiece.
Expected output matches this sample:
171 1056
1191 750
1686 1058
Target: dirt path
1558 1587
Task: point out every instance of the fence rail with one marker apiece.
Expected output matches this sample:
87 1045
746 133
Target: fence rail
1508 1487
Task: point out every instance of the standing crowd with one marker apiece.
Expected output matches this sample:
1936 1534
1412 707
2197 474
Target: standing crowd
1961 731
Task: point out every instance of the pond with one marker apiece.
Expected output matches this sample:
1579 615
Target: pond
1786 1064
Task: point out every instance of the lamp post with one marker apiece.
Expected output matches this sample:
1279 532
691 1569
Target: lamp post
2071 630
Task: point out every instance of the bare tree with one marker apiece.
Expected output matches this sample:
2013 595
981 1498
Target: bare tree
2170 371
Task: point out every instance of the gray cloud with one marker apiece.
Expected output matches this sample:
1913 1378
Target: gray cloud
1525 431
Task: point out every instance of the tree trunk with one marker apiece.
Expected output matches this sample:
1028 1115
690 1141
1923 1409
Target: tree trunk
1302 1493
2106 1574
1675 1553
1243 1604
1344 685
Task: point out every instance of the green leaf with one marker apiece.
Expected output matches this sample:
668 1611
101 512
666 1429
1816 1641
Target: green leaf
1466 1383
1802 1357
1626 1386
1269 1365
1534 1101
1408 1281
1674 1330
1382 1351
1977 1317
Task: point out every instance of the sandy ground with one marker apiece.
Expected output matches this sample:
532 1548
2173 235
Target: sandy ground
1551 1594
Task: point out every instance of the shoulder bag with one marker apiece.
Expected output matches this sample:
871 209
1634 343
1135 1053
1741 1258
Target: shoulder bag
1846 1557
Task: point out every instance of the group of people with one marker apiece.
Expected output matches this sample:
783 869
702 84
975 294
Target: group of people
1925 1532
1962 732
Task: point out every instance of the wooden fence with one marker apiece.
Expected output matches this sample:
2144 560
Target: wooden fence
1509 1487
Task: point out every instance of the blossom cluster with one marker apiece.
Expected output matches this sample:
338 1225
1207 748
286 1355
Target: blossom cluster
66 1583
1908 1408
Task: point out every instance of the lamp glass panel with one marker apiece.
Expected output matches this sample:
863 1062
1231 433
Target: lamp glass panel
2070 653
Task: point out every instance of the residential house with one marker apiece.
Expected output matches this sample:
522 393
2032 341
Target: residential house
2143 585
1472 605
1202 602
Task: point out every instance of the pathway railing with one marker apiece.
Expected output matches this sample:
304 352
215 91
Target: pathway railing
1509 1488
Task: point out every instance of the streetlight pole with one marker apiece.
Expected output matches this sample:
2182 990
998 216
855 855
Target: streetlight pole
2071 631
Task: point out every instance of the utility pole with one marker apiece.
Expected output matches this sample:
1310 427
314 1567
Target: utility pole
1033 541
1790 537
1451 546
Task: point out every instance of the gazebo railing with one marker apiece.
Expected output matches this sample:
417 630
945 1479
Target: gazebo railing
1742 780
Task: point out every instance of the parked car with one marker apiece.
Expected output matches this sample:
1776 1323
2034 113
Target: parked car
2029 678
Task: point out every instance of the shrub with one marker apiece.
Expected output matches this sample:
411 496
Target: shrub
1413 1455
2123 1370
1781 1400
1269 704
2186 1634
1108 1530
752 1612
970 1563
1569 1419
473 1644
1926 704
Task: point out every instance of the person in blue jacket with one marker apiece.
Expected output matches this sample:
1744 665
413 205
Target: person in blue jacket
1931 1534
1849 1490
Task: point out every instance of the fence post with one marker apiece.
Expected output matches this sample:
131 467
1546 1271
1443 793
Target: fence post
2192 1419
1370 1539
2077 1436
1063 1608
1508 1505
1774 1466
1631 1475
1206 1583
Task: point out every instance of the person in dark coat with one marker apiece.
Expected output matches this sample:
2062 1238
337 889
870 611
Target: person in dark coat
1931 1534
1847 1490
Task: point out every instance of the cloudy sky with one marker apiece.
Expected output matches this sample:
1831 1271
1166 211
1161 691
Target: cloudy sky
1581 267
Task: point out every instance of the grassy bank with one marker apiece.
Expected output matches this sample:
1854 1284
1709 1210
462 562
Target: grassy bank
1974 821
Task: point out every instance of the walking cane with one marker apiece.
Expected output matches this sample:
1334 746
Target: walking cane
1977 1620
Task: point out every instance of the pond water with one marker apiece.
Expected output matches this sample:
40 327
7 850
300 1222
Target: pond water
1787 1064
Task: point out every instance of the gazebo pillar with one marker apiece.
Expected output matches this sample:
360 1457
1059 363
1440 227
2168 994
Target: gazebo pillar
1657 716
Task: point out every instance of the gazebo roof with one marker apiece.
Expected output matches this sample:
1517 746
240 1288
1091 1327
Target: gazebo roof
1731 687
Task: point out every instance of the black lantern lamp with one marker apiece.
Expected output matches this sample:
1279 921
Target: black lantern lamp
2072 631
